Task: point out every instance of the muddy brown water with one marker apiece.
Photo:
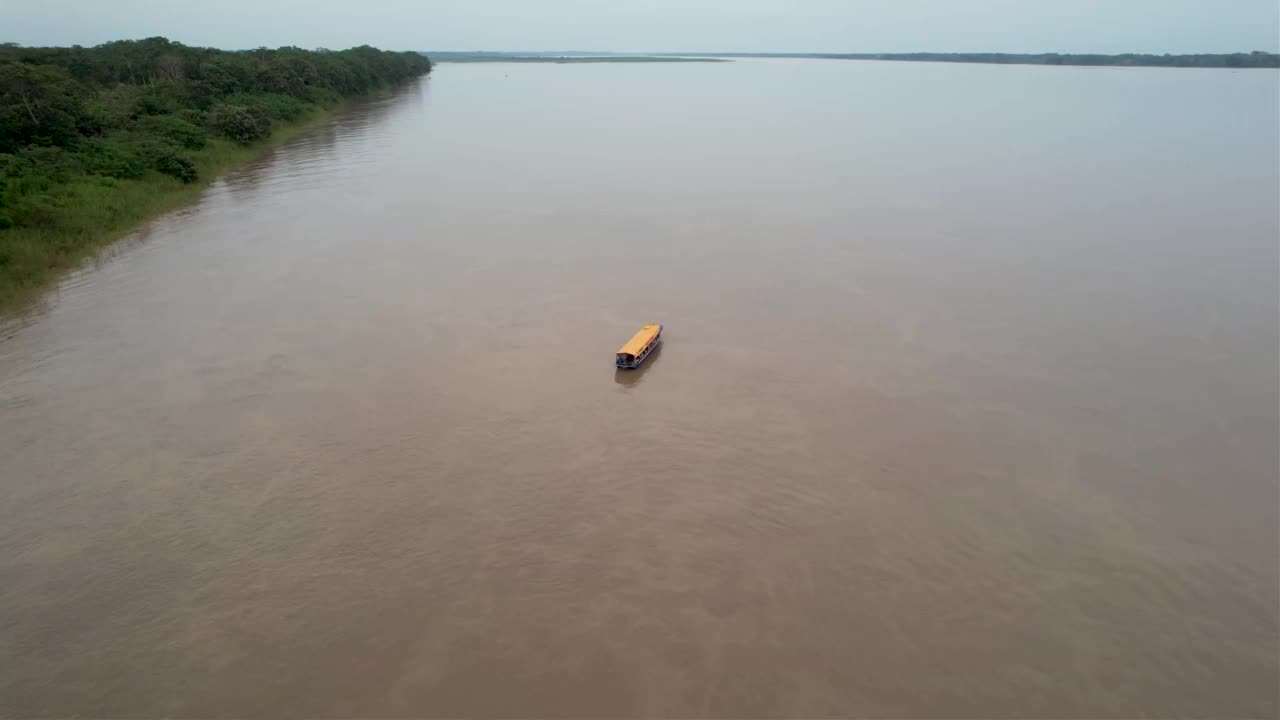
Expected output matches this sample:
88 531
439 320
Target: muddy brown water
968 407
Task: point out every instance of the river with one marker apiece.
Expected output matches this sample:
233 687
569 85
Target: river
968 407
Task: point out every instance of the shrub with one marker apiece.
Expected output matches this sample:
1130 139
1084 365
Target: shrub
112 159
239 123
47 164
175 129
160 99
195 116
174 163
274 105
323 96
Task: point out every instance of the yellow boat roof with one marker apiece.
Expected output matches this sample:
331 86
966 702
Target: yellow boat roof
639 340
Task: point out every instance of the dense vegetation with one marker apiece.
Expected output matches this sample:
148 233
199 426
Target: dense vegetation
1255 59
92 140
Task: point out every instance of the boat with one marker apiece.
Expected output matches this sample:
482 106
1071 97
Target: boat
638 348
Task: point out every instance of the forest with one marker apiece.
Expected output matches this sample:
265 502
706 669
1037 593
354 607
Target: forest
94 140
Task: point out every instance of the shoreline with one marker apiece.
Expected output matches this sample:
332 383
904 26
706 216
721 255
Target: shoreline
139 202
98 141
576 60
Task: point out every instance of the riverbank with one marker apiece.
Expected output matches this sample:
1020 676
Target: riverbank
94 141
101 210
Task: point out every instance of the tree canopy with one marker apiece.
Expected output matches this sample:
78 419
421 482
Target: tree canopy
57 96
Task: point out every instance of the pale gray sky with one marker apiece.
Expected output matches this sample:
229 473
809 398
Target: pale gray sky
1107 26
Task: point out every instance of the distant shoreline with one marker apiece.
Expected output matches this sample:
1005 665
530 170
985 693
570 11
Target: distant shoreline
1234 61
437 58
1255 59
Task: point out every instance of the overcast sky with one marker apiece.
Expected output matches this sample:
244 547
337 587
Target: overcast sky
1107 26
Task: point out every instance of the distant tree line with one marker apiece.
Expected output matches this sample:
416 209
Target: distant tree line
78 125
1255 59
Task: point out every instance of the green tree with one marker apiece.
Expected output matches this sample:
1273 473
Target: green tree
38 106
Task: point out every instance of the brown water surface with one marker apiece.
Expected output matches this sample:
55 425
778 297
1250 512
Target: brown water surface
968 407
